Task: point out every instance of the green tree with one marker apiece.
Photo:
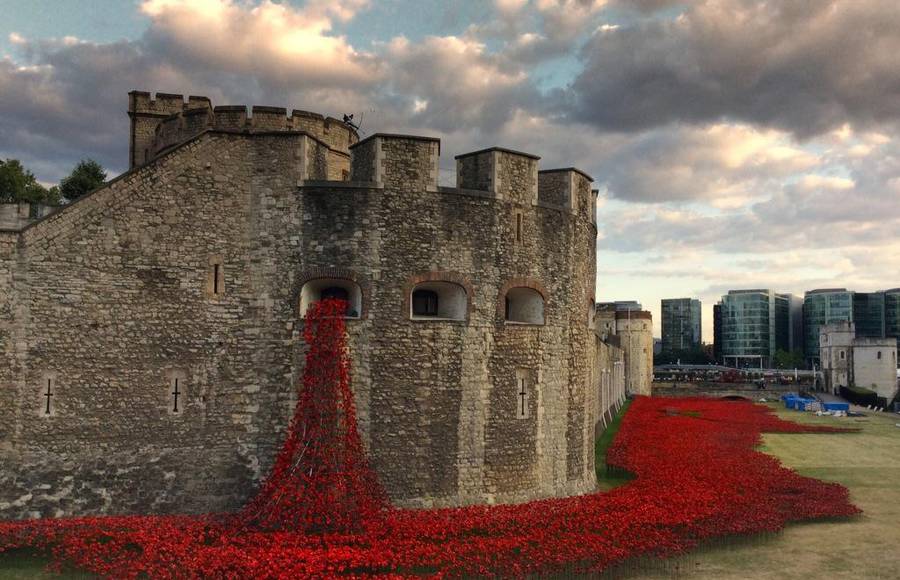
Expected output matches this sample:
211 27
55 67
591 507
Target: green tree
17 184
688 356
787 359
87 176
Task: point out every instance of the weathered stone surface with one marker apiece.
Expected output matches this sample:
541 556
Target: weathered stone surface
113 297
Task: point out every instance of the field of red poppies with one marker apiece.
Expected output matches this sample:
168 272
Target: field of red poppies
322 513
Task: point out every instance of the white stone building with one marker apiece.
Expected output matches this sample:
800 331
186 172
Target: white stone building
851 361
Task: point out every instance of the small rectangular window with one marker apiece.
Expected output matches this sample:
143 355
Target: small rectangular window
176 394
522 394
879 355
48 394
518 227
215 277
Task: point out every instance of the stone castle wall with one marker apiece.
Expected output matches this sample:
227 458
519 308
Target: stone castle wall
15 216
8 370
453 383
608 379
110 300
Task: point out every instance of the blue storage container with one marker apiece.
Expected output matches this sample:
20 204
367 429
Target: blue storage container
836 406
802 403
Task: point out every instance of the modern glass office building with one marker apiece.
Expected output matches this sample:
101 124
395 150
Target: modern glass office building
823 307
717 332
892 313
681 324
757 323
868 313
875 314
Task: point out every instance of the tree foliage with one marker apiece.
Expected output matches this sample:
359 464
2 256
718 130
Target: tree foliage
87 176
17 184
784 359
688 356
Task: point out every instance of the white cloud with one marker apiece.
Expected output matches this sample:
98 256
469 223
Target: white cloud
725 164
509 7
271 39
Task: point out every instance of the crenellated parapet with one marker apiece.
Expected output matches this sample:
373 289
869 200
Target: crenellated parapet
411 162
569 188
510 175
167 120
147 112
407 162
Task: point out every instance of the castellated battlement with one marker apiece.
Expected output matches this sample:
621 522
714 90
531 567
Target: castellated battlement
412 162
158 124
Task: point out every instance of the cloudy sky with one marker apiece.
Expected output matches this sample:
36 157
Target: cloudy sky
736 143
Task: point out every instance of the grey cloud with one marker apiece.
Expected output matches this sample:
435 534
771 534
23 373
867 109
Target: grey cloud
62 101
820 219
801 66
648 5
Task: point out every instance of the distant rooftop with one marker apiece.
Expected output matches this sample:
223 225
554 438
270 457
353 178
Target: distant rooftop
826 291
620 305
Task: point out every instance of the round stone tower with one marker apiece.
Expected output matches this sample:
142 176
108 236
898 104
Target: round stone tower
470 317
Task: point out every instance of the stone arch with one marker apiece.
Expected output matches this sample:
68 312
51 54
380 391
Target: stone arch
331 277
522 283
438 277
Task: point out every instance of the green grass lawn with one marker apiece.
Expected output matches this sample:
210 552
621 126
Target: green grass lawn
609 478
868 546
23 564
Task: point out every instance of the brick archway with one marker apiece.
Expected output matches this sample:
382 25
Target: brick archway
320 273
438 276
520 283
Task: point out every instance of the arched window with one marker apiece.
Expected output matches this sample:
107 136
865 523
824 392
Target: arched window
438 300
524 306
337 288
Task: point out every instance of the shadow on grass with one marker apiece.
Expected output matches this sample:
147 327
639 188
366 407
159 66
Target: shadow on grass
27 563
609 477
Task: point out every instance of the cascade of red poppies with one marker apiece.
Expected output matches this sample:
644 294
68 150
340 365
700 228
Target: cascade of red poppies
697 474
321 481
